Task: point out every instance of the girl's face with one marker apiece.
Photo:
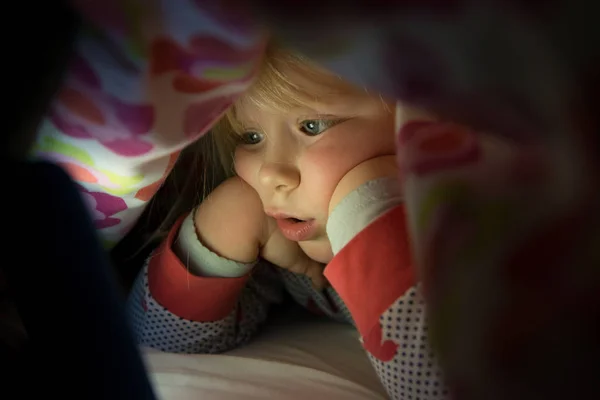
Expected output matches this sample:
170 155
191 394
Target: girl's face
295 159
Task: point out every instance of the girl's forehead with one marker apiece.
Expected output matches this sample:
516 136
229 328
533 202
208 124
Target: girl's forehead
294 88
308 99
247 110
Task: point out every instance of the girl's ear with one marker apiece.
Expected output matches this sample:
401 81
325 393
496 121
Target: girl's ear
36 62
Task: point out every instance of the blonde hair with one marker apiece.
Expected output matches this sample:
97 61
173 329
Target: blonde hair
275 89
206 163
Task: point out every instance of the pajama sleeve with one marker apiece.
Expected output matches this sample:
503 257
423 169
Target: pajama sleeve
373 272
173 308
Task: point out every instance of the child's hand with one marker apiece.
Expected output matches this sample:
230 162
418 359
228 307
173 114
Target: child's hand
231 222
374 168
288 255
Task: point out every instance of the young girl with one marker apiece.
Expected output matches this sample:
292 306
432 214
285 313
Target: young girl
315 184
505 243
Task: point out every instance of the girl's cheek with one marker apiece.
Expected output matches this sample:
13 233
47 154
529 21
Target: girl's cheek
244 166
325 168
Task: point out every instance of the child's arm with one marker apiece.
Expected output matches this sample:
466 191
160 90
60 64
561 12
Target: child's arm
204 292
373 273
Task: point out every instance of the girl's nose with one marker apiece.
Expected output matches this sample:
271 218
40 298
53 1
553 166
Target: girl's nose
280 177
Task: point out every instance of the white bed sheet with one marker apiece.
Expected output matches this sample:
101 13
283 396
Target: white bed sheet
308 358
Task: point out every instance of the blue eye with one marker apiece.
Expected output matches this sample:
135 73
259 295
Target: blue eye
314 127
251 138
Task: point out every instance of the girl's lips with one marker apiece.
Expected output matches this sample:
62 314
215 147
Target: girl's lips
296 230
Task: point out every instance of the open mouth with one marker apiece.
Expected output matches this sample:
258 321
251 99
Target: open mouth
296 229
